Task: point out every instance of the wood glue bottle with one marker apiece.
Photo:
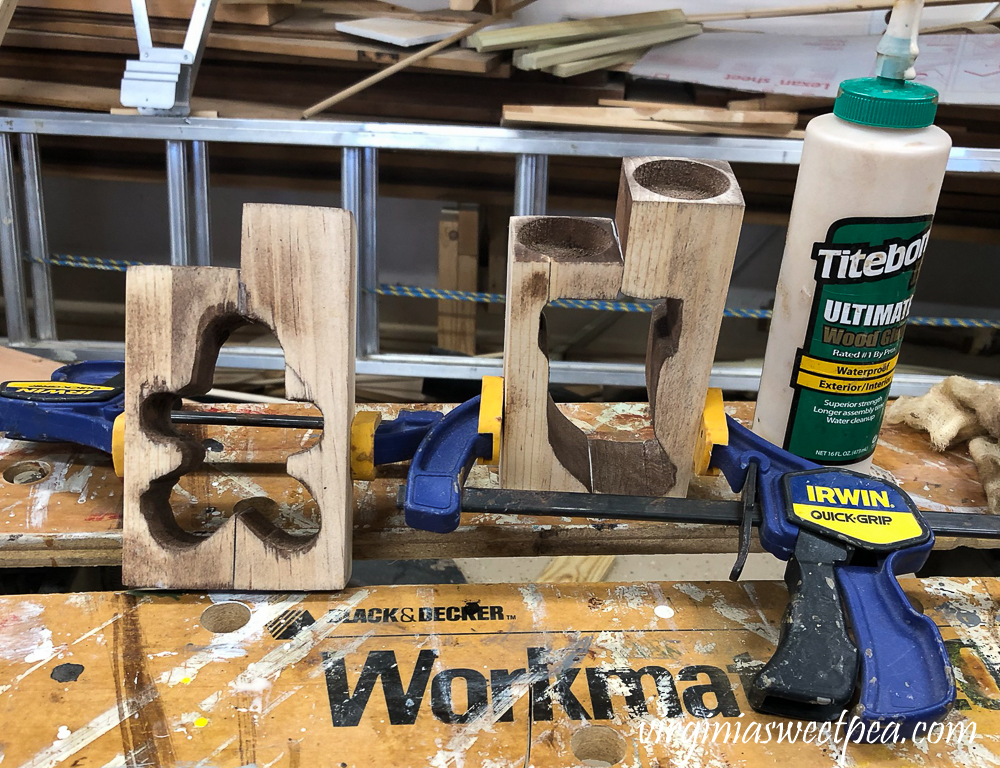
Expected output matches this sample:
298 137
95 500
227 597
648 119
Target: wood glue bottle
867 188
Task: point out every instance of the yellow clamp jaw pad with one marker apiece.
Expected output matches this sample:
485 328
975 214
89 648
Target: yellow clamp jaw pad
714 431
491 415
363 444
118 445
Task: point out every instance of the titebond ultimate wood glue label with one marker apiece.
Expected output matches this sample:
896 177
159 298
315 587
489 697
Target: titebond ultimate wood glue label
867 188
866 270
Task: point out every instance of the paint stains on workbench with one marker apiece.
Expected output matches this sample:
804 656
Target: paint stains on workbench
67 673
534 601
145 736
762 628
23 635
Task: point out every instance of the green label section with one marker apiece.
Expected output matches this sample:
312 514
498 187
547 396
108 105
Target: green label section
866 270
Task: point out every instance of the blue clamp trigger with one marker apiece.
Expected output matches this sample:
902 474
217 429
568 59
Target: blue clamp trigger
906 675
84 421
439 468
398 440
777 535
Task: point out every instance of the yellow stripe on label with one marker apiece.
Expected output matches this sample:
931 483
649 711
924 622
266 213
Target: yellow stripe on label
875 526
57 387
842 386
848 370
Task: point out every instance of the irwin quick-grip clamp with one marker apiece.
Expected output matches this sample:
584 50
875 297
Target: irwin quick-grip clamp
845 536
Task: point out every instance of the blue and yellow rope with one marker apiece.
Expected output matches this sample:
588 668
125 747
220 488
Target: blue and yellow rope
419 292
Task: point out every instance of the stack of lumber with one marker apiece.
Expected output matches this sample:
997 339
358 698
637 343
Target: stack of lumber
569 48
285 31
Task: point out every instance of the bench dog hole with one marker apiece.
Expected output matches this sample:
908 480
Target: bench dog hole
225 617
598 746
27 472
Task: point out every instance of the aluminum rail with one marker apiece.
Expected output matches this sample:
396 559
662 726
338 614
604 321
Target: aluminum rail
732 378
435 138
359 142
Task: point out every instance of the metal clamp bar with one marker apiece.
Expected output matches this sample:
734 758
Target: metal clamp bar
38 243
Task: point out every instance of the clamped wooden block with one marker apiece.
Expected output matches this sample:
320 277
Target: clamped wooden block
297 277
673 240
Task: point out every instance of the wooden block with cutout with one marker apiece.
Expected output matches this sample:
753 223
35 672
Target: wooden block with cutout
679 223
550 257
297 277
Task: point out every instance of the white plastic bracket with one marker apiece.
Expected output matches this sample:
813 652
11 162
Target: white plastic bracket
161 81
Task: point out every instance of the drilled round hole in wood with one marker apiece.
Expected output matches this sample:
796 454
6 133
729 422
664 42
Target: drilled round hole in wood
598 746
682 179
565 239
225 617
27 472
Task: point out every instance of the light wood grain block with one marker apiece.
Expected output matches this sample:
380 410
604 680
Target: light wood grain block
550 257
458 270
297 278
679 222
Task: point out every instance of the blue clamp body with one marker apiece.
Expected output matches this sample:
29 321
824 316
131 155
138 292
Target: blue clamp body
777 534
75 415
897 653
398 440
439 467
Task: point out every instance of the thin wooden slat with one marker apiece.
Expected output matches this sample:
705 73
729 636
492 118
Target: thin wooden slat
589 49
571 31
621 118
684 113
458 267
582 66
258 14
6 13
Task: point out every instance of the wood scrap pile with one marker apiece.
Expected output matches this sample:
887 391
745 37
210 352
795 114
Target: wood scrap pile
274 59
571 48
283 30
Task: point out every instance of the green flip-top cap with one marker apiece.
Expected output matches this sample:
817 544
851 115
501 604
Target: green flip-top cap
882 102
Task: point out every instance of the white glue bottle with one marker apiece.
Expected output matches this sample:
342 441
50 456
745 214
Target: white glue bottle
867 189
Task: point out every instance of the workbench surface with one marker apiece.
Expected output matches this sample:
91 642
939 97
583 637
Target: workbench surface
73 515
457 676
